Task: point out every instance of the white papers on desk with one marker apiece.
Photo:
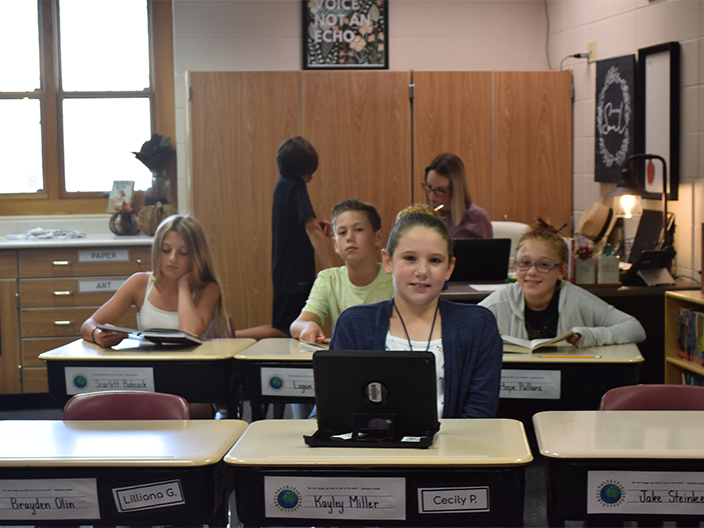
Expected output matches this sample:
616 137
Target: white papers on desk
486 287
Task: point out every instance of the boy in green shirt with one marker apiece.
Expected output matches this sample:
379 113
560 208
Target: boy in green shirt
362 280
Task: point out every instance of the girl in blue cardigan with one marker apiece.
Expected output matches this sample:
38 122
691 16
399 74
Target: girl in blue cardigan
464 338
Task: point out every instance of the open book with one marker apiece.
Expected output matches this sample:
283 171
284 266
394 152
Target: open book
161 336
526 346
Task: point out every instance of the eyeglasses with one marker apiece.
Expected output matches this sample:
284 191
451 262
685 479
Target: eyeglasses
543 266
437 191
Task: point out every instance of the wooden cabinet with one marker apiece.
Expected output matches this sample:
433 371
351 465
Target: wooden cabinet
59 288
9 329
374 132
676 366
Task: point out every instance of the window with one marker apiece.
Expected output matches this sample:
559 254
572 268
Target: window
81 87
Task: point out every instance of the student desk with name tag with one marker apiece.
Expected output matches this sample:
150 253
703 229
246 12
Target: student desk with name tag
55 472
204 373
278 371
615 466
472 475
275 370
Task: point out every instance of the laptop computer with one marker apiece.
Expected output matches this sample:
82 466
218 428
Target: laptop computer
481 259
378 398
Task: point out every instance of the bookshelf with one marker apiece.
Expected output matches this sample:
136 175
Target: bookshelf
677 367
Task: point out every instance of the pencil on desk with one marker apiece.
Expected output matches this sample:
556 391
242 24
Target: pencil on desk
577 357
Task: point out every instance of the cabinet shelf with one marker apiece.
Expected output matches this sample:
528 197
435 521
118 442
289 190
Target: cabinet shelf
675 366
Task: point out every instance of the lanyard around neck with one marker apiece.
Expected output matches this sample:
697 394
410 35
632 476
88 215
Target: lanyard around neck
410 346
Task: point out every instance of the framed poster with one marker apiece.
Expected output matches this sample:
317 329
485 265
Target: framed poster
615 117
345 34
659 107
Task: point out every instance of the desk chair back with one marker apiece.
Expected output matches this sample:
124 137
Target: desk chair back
126 405
654 397
512 230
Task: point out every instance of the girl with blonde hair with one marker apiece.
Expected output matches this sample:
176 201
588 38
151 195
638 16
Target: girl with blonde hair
182 291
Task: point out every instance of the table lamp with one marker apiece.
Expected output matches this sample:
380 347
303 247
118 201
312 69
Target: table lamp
628 193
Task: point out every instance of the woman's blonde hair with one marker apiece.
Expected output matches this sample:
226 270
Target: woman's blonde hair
199 252
451 166
545 232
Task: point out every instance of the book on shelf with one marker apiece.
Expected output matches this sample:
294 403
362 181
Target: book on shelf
528 346
161 336
690 335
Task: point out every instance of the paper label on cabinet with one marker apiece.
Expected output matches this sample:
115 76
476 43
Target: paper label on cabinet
530 384
98 286
335 498
104 255
43 499
287 382
645 492
94 379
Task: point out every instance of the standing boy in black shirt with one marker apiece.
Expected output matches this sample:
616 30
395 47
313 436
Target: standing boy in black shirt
297 237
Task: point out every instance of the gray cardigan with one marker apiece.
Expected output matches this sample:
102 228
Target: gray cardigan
596 321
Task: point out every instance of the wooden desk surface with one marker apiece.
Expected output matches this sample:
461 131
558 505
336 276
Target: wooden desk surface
54 443
668 435
289 350
628 353
459 443
214 349
275 349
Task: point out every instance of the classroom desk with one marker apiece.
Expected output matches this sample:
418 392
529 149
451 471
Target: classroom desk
278 371
614 465
558 378
472 475
647 304
121 472
275 370
204 373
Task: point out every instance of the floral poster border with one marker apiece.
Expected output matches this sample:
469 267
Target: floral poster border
345 34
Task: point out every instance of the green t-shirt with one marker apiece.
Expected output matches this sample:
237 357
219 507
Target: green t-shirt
333 292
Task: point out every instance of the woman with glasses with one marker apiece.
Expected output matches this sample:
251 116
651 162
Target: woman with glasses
542 304
446 185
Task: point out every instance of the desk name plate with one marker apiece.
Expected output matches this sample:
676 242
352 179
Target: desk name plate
287 381
49 499
645 492
94 379
335 498
530 384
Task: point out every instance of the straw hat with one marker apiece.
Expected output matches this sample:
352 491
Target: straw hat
597 221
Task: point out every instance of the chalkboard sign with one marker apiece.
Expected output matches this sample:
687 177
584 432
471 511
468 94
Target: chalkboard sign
615 117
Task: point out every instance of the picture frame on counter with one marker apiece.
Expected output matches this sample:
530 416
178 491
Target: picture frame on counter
345 34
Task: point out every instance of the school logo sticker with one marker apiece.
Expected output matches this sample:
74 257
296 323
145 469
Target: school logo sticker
276 382
80 381
287 499
610 494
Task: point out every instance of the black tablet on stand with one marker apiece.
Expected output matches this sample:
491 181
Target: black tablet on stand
378 398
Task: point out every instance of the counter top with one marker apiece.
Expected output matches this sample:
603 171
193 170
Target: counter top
88 241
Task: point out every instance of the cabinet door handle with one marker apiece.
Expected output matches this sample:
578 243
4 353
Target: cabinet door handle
61 262
57 293
63 323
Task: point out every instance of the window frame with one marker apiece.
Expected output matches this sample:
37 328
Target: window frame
55 200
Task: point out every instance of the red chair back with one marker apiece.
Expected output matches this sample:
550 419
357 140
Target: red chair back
654 398
126 405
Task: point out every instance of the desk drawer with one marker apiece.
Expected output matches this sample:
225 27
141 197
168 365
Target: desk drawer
56 322
79 262
84 291
32 347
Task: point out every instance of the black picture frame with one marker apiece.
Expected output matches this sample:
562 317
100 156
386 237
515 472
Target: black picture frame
345 34
658 108
615 123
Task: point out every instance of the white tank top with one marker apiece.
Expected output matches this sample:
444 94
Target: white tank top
152 317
